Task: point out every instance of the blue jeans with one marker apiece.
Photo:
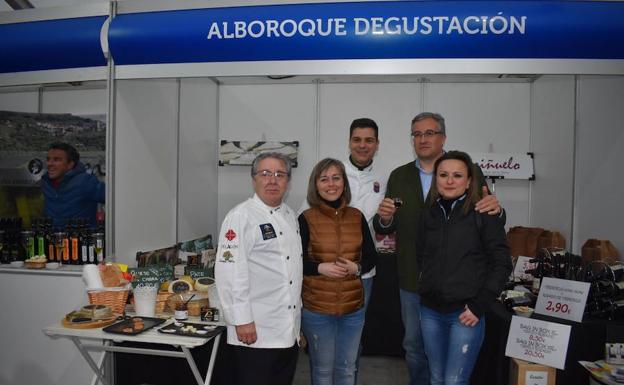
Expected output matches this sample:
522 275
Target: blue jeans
413 340
367 284
333 345
452 348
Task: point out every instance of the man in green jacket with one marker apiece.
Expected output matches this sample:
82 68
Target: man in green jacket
411 183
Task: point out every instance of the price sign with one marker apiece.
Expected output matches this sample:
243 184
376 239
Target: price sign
151 275
522 265
199 273
538 341
562 299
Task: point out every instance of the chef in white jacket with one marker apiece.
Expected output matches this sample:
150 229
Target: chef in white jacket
258 275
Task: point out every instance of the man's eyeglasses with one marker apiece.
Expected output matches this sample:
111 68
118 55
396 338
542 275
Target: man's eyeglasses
426 134
266 174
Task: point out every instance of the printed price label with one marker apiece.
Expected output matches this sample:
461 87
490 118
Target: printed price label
558 307
536 378
522 265
538 341
562 299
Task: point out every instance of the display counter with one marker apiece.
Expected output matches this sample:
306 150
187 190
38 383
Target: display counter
586 343
31 300
383 333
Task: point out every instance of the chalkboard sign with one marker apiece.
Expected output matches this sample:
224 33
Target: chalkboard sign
151 275
199 273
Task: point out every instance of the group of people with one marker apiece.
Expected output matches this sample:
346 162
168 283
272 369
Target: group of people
277 275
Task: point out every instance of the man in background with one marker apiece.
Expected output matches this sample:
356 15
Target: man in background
368 186
258 274
68 191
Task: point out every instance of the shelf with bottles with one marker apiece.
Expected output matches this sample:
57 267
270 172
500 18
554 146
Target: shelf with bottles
77 243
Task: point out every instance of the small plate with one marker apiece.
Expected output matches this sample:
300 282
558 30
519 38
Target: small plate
52 265
17 264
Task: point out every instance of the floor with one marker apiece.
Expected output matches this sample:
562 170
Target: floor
374 370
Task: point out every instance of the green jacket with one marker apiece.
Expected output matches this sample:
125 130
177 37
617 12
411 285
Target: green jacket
404 182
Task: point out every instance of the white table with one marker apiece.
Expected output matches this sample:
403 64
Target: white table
152 336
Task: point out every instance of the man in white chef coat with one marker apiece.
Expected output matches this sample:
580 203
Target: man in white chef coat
258 275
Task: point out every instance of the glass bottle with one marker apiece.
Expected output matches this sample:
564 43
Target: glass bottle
3 258
74 243
28 243
98 243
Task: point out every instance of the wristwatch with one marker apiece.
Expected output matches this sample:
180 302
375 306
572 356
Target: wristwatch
359 270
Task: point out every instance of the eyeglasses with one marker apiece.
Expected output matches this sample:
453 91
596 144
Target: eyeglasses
426 134
266 174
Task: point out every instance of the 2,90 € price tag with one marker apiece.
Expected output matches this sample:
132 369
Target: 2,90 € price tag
562 298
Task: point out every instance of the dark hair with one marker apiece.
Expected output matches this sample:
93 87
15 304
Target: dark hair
364 123
314 198
70 151
274 155
473 195
431 115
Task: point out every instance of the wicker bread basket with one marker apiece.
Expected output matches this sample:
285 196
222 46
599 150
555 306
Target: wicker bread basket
115 299
34 265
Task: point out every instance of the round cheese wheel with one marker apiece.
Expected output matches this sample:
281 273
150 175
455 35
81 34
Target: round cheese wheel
179 286
187 278
203 284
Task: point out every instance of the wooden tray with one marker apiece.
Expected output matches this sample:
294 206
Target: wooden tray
88 325
148 323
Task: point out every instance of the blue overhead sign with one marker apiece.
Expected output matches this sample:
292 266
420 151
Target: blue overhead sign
51 44
372 30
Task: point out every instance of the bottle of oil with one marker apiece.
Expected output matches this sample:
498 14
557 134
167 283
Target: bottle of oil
74 243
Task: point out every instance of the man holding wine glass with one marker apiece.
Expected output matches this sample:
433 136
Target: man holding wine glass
405 200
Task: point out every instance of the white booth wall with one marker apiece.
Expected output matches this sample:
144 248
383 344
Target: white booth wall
168 186
598 187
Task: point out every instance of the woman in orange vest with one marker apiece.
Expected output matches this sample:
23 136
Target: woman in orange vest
337 249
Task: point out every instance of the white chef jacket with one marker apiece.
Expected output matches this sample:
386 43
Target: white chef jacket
368 189
258 273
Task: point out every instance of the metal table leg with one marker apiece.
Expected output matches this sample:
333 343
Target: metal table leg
97 370
213 358
211 363
100 364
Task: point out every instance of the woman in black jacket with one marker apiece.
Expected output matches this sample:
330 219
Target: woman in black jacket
465 262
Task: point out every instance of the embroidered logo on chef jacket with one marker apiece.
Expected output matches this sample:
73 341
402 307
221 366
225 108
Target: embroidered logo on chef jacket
376 187
230 234
227 256
267 231
228 246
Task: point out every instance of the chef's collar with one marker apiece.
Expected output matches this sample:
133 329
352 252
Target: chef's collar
360 168
269 208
